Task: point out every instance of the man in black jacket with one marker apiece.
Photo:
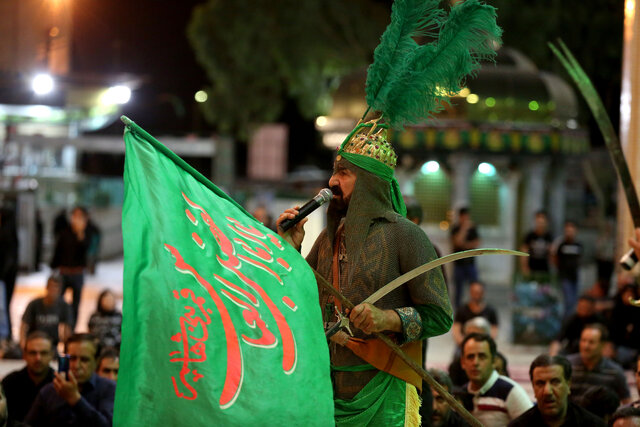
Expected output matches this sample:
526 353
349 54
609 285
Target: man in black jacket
551 380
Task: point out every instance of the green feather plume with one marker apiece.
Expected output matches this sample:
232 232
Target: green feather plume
409 19
409 82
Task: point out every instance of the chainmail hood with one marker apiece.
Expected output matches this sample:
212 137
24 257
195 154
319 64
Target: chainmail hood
370 200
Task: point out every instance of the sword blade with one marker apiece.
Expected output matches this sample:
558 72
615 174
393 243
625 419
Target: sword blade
599 112
399 281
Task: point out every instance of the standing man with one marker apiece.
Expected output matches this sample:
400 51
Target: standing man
464 237
496 399
590 367
70 256
476 307
78 397
367 243
537 243
567 260
21 387
551 380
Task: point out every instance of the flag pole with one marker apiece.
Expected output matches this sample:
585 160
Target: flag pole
455 405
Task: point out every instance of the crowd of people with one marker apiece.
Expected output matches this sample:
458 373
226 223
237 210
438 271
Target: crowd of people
579 381
583 389
82 393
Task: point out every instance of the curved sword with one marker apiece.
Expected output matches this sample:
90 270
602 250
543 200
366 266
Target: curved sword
433 264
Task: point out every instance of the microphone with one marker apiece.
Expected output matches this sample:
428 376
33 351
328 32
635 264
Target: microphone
321 198
629 260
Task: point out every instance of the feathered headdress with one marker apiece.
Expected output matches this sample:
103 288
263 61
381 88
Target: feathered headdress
409 83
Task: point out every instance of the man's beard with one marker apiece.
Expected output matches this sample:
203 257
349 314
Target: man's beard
338 206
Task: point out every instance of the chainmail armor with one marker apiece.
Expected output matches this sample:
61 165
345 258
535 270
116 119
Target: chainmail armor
378 246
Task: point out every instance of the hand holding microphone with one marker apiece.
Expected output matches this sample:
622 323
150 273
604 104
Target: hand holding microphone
290 217
629 259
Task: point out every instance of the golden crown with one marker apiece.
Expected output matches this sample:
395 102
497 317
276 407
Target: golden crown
370 140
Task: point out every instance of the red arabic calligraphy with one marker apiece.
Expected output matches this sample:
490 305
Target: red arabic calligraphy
234 356
258 252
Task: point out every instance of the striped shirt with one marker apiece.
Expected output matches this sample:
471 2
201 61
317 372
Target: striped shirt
606 373
499 401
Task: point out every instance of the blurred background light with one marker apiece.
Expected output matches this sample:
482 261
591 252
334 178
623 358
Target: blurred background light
321 121
464 92
533 105
430 167
201 96
490 102
486 169
473 98
116 95
42 84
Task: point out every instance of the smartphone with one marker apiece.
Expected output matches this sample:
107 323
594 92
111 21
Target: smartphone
63 363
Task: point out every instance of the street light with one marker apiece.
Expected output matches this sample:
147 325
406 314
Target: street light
42 84
119 94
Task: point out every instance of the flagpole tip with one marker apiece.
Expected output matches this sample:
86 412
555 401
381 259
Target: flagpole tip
126 120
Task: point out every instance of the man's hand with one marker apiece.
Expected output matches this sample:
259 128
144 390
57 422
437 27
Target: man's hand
635 243
67 389
295 234
370 319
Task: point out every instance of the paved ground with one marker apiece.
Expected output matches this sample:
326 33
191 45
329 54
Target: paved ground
109 275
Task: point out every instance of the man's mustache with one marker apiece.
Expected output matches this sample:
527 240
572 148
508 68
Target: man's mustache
336 190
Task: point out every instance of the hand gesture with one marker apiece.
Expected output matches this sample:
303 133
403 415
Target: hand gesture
295 234
67 389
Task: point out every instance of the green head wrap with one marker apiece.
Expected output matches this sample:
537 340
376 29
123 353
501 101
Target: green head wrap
373 153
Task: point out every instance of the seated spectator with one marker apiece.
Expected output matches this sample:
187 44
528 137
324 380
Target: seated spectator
601 401
551 378
625 326
476 307
626 417
48 314
442 415
109 363
500 365
478 325
568 340
22 387
495 399
80 398
591 368
636 404
106 323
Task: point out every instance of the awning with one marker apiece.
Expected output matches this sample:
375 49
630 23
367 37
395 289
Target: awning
491 140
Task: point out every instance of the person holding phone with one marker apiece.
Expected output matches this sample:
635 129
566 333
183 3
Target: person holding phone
78 397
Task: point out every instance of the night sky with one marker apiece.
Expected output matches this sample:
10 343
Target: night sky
146 38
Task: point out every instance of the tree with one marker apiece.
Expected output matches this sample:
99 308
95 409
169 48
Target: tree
258 54
592 29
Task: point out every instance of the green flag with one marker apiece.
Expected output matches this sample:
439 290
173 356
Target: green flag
222 324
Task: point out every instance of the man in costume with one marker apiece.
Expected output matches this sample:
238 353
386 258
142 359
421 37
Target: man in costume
366 244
